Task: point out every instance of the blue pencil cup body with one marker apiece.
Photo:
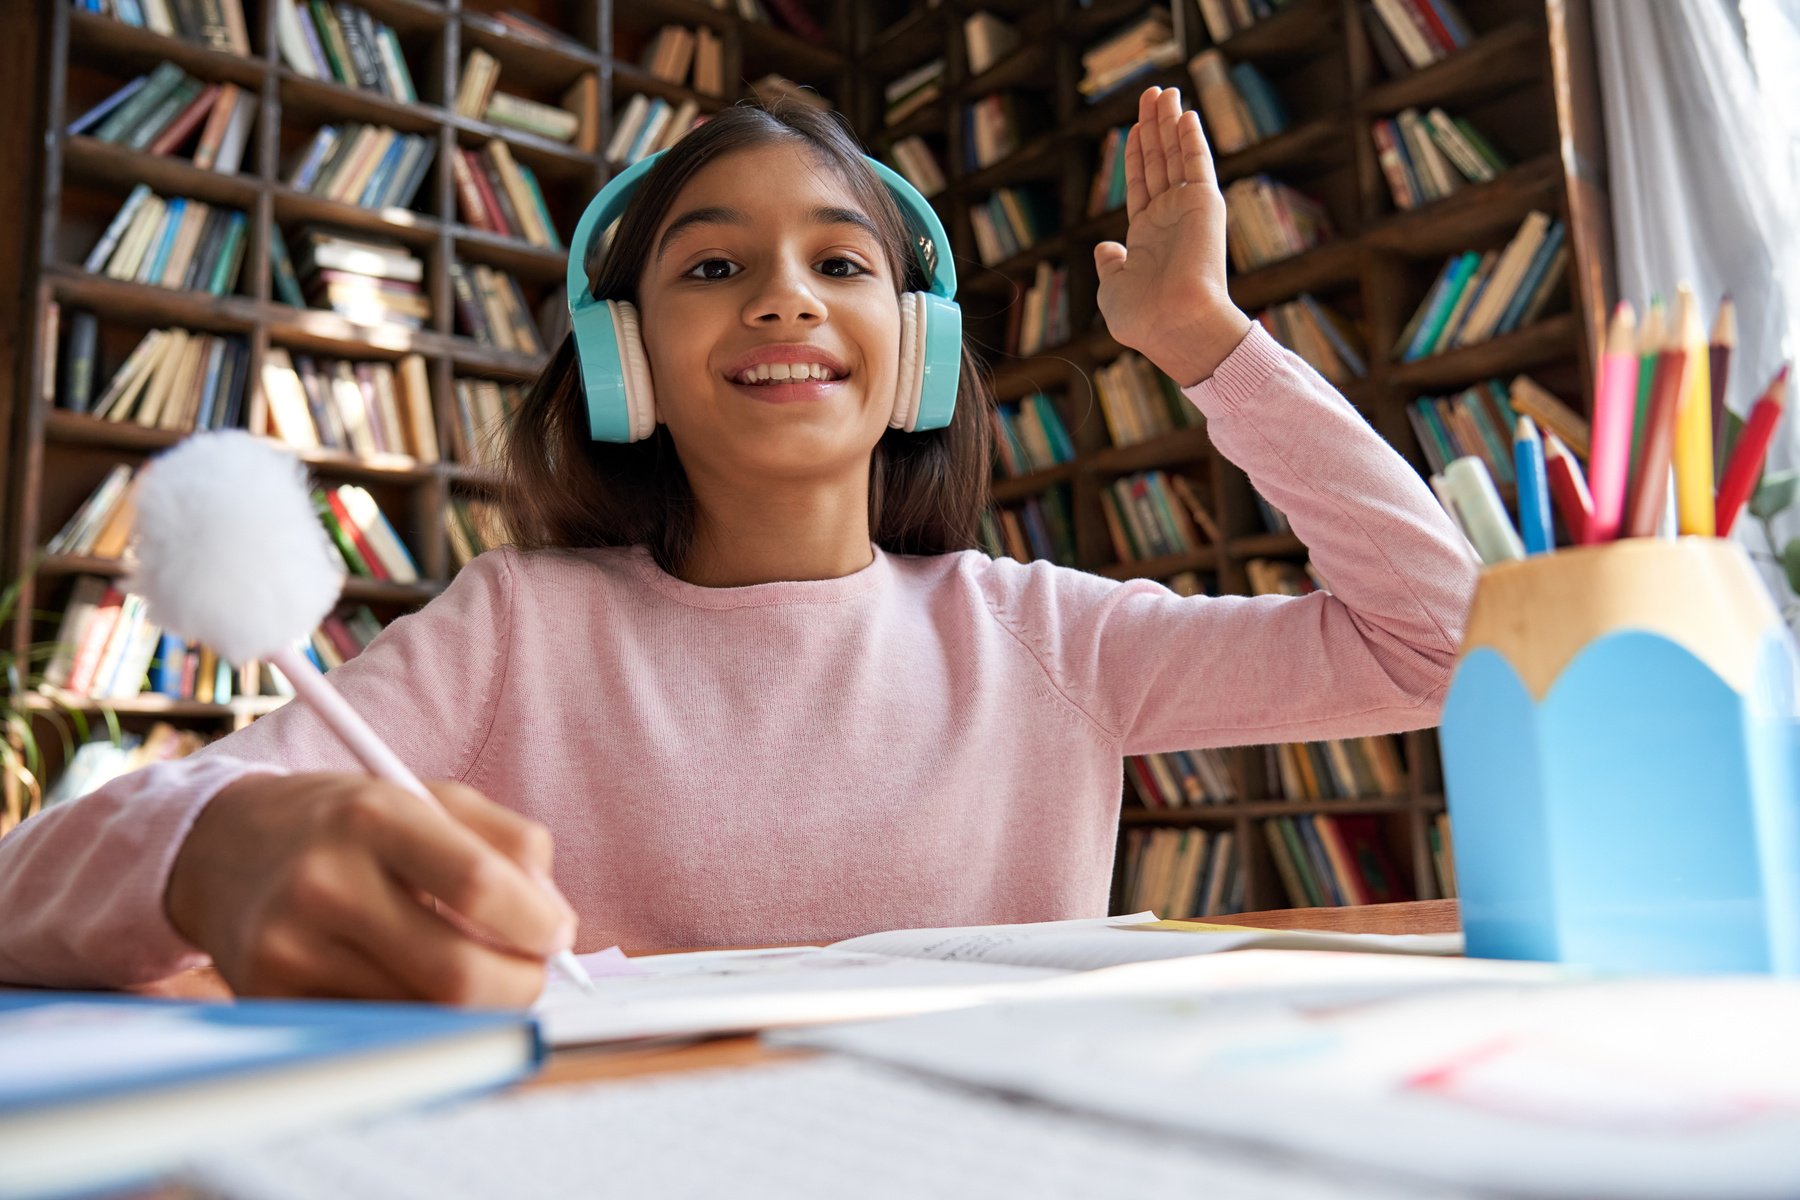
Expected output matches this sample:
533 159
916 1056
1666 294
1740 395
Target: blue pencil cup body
1620 759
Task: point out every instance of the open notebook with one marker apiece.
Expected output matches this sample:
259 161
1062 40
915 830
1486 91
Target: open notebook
891 974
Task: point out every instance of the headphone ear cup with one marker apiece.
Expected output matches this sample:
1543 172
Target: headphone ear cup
906 382
937 353
634 367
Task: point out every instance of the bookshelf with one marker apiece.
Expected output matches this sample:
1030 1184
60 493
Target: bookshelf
1526 78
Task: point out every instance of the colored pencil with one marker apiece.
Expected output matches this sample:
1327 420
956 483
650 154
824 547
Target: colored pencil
1615 403
1746 464
1650 344
1692 452
1534 489
1650 477
1477 502
1569 489
1723 342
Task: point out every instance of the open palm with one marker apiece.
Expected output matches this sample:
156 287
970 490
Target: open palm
1168 279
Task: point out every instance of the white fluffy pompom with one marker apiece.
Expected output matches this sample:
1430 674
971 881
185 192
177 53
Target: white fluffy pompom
229 550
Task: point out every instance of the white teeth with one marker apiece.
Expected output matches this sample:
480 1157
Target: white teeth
783 372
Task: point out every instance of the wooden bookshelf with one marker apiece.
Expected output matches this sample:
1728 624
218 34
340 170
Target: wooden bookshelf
1527 80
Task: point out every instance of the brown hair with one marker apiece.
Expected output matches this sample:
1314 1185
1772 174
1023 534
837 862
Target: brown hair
926 490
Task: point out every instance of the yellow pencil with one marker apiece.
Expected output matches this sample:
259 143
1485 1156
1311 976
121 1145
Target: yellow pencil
1693 450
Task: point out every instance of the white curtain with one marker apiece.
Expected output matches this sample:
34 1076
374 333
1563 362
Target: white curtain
1703 135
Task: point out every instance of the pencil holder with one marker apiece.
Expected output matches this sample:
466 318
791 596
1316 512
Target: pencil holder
1619 749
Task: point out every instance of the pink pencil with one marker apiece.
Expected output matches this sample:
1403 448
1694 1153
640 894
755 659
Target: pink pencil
1615 408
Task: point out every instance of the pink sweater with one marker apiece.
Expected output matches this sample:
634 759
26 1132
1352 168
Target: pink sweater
929 741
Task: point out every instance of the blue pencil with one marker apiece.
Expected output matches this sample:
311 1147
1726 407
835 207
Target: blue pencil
1534 489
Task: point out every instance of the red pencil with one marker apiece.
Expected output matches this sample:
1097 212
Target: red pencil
1746 464
1569 488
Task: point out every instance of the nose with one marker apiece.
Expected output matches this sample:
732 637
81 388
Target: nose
786 295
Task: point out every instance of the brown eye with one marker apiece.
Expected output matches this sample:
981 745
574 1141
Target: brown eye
705 263
855 267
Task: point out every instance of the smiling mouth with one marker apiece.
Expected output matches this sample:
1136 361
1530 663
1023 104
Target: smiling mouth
789 391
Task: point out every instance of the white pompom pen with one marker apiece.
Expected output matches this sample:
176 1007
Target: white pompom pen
230 553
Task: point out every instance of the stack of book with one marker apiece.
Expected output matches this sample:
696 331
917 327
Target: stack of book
98 762
342 43
104 645
1320 335
1030 436
988 39
1139 402
1342 769
649 124
913 91
1226 17
475 527
371 166
1267 221
1151 515
1147 44
1239 105
913 158
370 409
1409 34
496 192
1009 222
477 96
361 532
172 379
101 527
491 308
338 639
363 279
1107 190
1479 296
1477 421
175 243
168 111
687 57
484 411
1334 860
1181 779
990 130
1041 318
1426 158
218 25
1179 874
1037 528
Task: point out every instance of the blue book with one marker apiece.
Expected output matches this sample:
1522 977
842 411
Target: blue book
1267 111
377 186
1534 275
210 371
640 145
153 271
183 1077
1452 21
102 110
1443 302
165 672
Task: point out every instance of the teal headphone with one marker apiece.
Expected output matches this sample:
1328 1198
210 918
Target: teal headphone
615 374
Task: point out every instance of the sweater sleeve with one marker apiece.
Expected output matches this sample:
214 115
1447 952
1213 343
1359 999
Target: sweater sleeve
82 884
1155 671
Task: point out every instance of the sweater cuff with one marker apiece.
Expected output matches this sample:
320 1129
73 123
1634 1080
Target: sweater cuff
1243 373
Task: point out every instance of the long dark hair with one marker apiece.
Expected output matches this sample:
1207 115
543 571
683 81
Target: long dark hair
926 490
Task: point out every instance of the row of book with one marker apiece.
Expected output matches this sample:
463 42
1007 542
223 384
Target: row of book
1340 769
1179 874
1150 514
498 193
474 527
370 547
1227 17
1038 527
342 43
1139 402
478 96
1238 104
99 761
1478 296
484 413
1477 421
913 158
1266 221
174 243
1425 31
911 92
1320 334
1010 221
650 124
1040 317
1030 436
370 166
491 308
369 409
1181 778
218 25
1430 156
173 378
687 57
991 130
1107 190
367 280
987 39
1327 860
168 111
1146 44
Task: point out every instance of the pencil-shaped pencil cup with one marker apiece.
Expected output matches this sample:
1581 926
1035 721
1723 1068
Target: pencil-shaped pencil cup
1619 746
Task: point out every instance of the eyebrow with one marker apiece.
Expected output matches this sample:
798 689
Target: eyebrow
720 215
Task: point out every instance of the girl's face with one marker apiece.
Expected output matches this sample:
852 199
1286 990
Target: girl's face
763 257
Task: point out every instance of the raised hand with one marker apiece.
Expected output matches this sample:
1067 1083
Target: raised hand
1163 292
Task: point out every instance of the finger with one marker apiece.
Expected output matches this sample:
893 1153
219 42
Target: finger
1156 167
1168 113
291 960
352 975
437 854
1108 257
1196 155
1137 195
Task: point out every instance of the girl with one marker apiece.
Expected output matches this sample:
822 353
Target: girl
749 674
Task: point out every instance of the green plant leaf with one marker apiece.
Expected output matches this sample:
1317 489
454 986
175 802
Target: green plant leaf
1790 563
1774 493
